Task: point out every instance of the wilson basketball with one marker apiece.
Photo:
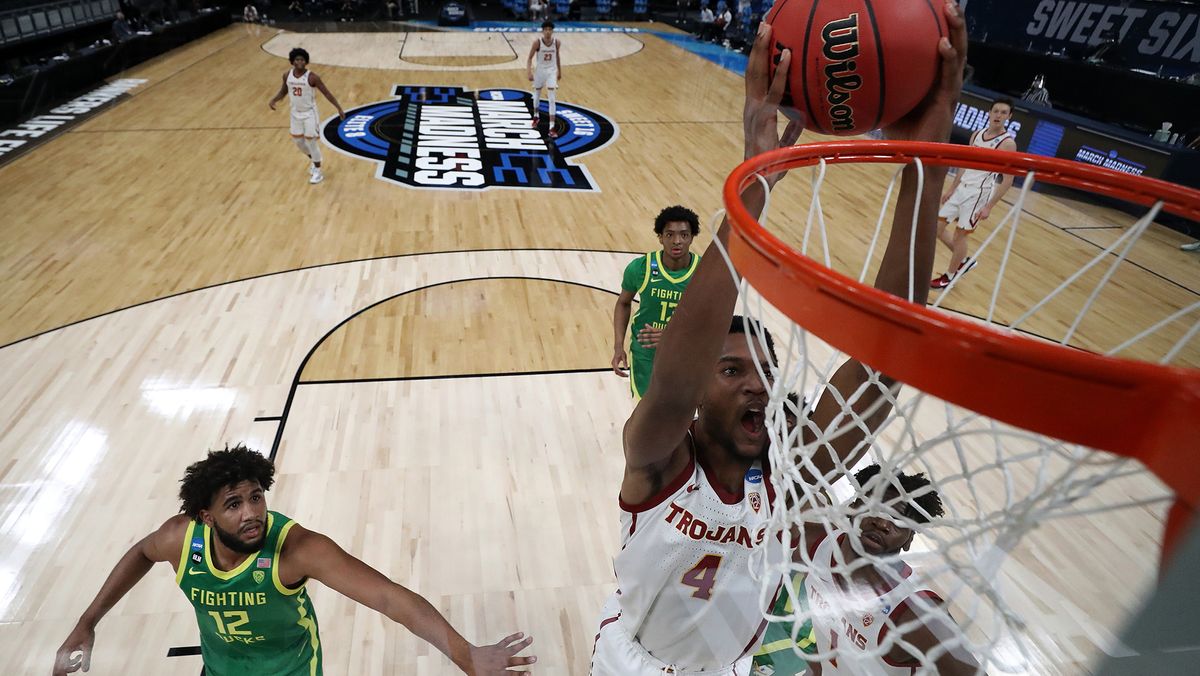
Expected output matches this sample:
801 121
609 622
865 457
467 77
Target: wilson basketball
857 65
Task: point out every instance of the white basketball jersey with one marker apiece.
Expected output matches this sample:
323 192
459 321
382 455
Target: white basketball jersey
300 93
854 621
974 179
684 584
547 55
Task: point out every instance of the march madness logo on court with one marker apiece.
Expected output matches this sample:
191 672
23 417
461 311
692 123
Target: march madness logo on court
456 139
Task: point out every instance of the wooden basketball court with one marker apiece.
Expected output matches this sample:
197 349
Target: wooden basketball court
429 367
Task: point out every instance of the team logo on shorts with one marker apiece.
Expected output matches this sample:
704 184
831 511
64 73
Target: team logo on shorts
450 138
259 576
755 501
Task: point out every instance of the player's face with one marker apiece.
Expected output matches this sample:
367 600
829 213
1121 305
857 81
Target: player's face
300 63
881 530
238 514
546 33
676 239
999 114
733 411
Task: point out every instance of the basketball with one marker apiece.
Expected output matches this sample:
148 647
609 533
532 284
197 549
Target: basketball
857 65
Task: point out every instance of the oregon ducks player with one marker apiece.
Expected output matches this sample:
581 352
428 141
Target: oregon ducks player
658 279
244 569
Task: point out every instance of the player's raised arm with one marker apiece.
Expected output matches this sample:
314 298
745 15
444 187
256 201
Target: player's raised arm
311 554
687 354
164 544
930 121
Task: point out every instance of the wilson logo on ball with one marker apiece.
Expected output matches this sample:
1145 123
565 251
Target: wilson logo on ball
856 65
840 46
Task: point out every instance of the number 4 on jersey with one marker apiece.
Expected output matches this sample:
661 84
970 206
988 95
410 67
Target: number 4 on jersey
703 576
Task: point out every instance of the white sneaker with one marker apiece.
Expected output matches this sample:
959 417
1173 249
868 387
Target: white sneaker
1194 246
317 177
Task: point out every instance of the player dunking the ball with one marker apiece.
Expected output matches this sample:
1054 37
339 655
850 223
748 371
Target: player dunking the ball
546 73
245 571
298 85
692 497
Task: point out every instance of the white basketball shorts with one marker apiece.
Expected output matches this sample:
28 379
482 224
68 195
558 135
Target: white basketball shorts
964 205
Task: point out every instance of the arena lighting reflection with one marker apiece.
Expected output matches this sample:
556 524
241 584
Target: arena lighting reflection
171 401
69 464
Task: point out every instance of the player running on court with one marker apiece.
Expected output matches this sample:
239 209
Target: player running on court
298 85
973 194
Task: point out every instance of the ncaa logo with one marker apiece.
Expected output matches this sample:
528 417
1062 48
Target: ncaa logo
754 476
450 138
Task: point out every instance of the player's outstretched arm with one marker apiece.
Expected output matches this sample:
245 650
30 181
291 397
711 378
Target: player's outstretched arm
320 84
163 544
311 554
688 352
279 94
930 121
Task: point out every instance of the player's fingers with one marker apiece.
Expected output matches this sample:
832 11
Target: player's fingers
510 638
958 28
791 133
779 82
519 646
86 659
756 65
521 661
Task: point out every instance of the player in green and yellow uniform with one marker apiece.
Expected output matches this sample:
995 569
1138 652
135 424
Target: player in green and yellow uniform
658 279
244 570
249 621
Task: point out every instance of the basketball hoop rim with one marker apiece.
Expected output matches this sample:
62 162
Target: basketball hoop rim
1136 409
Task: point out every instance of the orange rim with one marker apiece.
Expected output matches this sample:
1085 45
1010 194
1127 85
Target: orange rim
1135 409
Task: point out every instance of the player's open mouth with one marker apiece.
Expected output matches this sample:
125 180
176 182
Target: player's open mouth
752 421
873 537
252 531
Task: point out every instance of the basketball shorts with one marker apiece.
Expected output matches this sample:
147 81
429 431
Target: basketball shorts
617 654
964 204
305 125
640 365
545 78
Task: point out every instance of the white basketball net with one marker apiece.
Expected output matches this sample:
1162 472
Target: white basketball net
1005 602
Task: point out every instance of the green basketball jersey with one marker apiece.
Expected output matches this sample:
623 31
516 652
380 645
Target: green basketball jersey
249 622
777 656
658 290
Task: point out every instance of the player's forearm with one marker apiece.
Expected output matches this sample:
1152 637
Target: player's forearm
421 618
621 316
132 567
894 273
698 328
1001 188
